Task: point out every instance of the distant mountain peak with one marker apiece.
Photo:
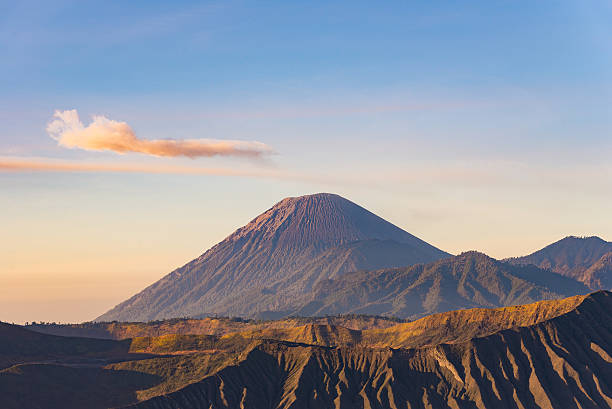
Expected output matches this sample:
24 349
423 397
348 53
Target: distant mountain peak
320 218
313 196
278 257
580 238
581 258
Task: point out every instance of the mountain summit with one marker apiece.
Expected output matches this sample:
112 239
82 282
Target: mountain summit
586 259
265 266
322 218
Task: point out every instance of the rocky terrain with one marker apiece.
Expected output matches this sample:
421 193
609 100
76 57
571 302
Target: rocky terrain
561 361
205 326
549 354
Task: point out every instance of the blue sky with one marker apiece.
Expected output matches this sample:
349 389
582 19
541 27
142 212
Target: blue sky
474 125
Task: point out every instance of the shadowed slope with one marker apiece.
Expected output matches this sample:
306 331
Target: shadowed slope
47 371
18 345
573 257
599 275
48 386
549 354
466 281
267 263
563 361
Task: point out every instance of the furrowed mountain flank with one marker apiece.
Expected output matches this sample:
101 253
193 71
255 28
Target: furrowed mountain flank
469 280
560 358
549 354
586 259
278 256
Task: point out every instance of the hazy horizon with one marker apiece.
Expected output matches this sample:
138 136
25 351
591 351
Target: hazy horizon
136 136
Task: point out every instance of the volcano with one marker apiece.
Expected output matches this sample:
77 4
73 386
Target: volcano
266 267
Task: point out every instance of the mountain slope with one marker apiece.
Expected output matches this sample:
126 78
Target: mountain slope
466 281
267 263
560 361
573 257
599 275
446 327
204 326
548 354
20 345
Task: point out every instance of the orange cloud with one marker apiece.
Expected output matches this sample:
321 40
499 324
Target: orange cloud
104 134
46 165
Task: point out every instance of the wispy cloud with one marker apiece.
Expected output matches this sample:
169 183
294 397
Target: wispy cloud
13 164
104 134
50 165
487 175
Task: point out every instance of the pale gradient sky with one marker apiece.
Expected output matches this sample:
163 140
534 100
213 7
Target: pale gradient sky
482 126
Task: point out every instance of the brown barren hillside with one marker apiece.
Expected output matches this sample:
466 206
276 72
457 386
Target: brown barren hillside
549 354
463 325
561 362
447 327
204 326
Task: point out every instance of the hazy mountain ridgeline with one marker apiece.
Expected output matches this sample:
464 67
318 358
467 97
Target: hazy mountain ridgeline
469 280
586 259
549 354
278 256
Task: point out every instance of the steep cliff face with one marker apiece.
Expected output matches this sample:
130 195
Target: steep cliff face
586 259
277 257
561 362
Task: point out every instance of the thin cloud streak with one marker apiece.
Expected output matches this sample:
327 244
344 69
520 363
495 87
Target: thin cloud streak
104 134
44 165
20 165
483 175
